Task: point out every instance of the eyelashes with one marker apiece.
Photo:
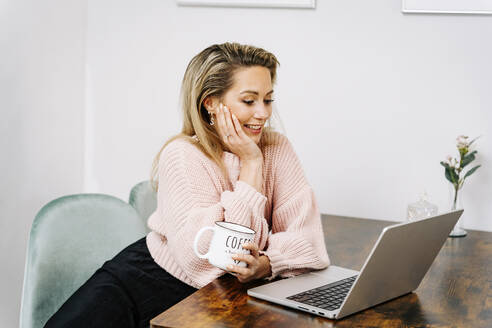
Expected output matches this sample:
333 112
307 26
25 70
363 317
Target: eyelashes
250 102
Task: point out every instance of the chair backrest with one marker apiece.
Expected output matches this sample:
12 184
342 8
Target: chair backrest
144 198
71 237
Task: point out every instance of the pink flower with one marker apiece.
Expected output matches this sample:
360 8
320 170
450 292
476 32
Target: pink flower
462 142
453 162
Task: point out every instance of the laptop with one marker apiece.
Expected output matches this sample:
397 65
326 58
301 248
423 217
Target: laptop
395 266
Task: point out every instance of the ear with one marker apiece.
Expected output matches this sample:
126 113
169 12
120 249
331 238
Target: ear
210 103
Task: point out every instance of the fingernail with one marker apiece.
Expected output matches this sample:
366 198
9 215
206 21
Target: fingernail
226 109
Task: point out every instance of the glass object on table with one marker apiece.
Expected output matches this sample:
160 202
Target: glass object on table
456 202
421 209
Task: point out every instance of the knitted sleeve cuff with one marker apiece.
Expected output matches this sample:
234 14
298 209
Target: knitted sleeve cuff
292 255
277 262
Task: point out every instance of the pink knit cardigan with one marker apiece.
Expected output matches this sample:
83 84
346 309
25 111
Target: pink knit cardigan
193 193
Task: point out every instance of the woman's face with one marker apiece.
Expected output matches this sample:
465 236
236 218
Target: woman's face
250 99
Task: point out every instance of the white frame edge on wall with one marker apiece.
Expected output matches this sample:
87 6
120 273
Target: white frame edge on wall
447 6
250 3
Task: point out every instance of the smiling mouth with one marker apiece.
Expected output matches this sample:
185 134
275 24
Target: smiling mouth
254 126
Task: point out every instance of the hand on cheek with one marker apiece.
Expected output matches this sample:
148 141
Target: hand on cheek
233 136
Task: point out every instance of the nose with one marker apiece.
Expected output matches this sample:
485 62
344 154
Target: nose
262 112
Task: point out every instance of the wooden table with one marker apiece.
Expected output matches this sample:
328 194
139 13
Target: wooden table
456 292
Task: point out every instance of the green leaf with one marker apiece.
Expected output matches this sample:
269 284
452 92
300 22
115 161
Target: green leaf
451 175
471 171
468 158
447 175
454 175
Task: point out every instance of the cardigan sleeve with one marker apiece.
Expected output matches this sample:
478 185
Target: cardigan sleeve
190 197
246 206
296 243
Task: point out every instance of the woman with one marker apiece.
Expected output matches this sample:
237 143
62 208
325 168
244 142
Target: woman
225 165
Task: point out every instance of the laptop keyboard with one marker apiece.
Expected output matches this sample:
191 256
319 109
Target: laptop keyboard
329 297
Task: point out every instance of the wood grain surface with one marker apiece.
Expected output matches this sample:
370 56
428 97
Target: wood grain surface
456 291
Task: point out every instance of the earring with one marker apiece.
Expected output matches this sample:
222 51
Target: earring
212 122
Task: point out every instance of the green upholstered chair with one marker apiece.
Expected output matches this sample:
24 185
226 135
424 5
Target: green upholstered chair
71 237
144 198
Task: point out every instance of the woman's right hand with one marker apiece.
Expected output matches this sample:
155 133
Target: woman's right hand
244 147
233 136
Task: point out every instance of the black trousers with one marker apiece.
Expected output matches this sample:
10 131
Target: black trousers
127 291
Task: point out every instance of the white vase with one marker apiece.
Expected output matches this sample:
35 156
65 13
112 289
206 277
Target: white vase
456 202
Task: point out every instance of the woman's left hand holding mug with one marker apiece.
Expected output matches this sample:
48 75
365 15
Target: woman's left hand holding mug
257 266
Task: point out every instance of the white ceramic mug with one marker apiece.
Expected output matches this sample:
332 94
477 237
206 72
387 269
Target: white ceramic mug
227 240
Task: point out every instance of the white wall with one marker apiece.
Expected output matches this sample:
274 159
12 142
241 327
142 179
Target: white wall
42 55
372 99
381 94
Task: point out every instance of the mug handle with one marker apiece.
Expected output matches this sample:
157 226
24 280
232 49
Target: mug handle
195 243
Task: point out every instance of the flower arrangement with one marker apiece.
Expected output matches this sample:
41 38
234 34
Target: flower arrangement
454 167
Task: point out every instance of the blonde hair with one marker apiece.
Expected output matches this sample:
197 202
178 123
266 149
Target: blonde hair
210 73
